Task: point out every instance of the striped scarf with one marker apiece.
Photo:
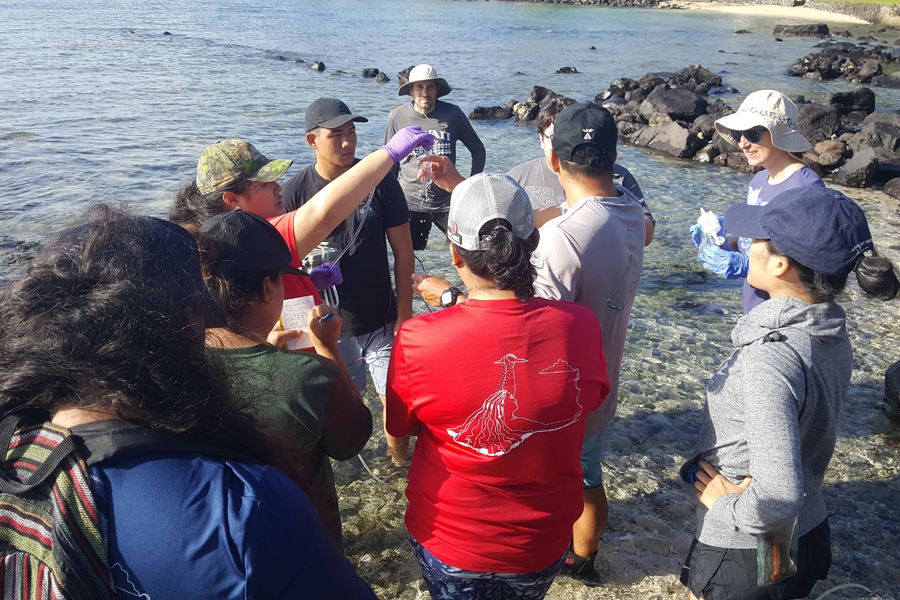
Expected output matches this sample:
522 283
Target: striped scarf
52 536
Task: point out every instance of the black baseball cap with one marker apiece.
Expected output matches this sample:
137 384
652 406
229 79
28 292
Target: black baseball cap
584 124
249 243
818 227
329 113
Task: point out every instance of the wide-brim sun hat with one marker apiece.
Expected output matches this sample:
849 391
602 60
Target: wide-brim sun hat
772 110
234 160
424 73
483 198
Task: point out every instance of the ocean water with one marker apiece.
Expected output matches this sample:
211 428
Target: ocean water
99 105
96 103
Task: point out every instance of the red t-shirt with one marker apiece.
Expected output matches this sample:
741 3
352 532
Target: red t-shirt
501 390
295 286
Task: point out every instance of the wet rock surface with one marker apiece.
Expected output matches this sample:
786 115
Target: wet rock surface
674 113
806 30
403 76
491 112
892 389
856 63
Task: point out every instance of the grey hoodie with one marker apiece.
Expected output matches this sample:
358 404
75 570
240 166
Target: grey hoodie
769 417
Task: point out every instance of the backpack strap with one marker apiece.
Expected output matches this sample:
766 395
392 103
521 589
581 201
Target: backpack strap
11 485
116 439
53 536
777 336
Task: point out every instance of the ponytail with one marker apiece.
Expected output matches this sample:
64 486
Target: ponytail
877 278
507 260
875 275
191 208
235 292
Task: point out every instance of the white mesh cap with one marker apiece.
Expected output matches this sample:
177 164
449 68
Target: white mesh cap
483 198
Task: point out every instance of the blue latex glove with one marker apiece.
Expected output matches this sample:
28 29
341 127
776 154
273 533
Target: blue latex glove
697 233
729 264
406 140
326 275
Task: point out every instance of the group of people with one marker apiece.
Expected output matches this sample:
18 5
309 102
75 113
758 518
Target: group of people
160 346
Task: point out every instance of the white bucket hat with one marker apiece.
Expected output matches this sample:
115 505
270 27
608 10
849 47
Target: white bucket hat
772 110
425 73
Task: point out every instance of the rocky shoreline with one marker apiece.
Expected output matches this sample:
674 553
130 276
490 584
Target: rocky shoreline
674 113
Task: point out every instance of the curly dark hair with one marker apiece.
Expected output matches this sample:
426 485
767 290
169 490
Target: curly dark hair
875 276
105 319
507 261
191 208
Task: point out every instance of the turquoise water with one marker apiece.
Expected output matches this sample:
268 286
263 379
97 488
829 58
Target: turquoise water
99 104
91 112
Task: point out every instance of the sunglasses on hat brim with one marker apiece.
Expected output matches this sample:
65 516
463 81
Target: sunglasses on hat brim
751 135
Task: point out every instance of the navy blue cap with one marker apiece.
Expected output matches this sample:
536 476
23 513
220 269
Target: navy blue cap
818 227
584 124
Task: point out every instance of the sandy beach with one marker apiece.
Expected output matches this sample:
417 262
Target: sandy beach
769 10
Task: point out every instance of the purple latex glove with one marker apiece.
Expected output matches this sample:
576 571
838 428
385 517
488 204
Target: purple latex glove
729 264
406 140
326 275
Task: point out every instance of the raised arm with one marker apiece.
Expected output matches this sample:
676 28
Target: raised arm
316 219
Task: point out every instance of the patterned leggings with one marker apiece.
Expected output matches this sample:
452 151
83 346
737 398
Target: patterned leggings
449 583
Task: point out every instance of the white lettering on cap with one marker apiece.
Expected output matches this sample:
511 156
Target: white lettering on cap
587 134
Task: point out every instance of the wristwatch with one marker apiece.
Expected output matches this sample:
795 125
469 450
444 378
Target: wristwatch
449 296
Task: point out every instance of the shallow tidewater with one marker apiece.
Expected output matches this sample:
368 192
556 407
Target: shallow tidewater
93 112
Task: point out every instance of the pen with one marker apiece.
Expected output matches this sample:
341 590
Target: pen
326 318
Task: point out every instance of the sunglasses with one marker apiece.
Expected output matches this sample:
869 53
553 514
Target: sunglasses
751 135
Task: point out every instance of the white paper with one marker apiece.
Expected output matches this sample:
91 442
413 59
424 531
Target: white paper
294 315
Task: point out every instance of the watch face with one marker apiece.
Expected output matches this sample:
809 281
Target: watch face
446 297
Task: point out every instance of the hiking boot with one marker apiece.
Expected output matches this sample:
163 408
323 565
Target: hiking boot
581 568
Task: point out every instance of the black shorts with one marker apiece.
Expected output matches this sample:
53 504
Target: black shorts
420 226
727 573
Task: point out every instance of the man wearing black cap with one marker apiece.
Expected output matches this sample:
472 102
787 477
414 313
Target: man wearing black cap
592 254
371 311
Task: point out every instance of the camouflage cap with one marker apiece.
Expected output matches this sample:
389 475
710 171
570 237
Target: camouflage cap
231 161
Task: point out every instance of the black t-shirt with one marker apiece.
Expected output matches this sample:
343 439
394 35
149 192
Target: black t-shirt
367 299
